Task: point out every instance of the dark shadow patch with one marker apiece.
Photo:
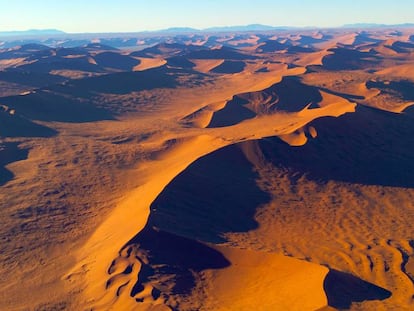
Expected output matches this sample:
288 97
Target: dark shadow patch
10 152
290 95
115 60
370 146
349 59
270 46
28 78
409 111
343 289
350 97
300 49
364 38
17 126
49 63
221 53
309 40
210 198
233 113
164 48
175 256
229 67
403 89
402 47
126 82
26 50
264 69
45 105
180 61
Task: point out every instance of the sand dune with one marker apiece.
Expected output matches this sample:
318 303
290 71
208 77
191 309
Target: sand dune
13 125
148 63
9 153
206 65
248 172
115 61
348 59
279 97
401 71
229 67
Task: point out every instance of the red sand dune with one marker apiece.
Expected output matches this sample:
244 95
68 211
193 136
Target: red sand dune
234 171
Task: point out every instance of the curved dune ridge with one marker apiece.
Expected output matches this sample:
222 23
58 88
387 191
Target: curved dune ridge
177 158
268 171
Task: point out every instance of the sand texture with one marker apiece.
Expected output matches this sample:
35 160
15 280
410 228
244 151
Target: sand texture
268 171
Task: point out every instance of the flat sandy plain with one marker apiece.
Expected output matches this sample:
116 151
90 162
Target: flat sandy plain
269 171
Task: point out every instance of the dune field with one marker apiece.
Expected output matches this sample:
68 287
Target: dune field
232 171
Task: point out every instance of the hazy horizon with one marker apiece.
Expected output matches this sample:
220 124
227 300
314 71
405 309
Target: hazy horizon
135 16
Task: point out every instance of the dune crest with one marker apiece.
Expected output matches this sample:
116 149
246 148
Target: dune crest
267 170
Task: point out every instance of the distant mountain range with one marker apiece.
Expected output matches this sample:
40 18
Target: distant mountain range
31 32
373 25
240 28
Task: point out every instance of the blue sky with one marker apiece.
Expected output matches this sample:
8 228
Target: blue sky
138 15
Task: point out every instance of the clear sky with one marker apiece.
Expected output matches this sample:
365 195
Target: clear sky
138 15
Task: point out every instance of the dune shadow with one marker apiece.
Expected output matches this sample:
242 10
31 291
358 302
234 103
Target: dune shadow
402 47
180 61
17 126
402 88
116 61
233 113
125 82
10 152
270 46
349 59
28 78
229 67
220 53
46 105
214 195
172 255
369 146
343 289
289 95
350 97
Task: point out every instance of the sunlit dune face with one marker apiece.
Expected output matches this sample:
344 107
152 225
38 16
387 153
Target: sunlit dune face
260 170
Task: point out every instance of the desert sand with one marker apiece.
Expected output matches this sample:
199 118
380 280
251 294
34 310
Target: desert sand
216 172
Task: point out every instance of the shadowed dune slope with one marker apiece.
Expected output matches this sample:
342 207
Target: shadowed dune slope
221 53
51 106
171 254
24 51
219 195
166 49
215 201
271 46
402 47
9 152
12 125
229 67
54 62
289 95
126 82
363 38
403 89
115 61
180 61
349 59
99 47
342 153
222 190
29 78
343 289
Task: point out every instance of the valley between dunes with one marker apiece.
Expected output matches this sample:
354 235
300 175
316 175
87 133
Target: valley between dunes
275 176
